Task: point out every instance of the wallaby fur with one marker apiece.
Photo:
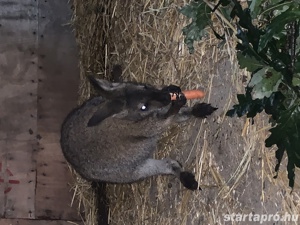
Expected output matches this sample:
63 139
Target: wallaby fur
112 137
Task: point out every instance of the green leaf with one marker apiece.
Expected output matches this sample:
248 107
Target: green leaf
278 6
272 105
199 12
265 82
255 7
225 2
246 31
247 105
296 81
286 135
225 11
248 62
297 64
279 155
277 25
297 50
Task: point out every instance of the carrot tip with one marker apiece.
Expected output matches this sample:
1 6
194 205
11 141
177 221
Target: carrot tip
190 94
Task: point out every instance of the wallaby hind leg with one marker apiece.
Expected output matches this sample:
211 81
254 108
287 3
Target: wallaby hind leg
152 167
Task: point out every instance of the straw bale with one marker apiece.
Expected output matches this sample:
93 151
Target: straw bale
227 155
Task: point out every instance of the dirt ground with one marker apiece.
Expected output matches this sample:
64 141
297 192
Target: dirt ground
234 169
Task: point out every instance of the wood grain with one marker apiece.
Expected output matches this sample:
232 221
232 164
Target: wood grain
38 87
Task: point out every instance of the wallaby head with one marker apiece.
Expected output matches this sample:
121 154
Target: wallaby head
131 101
112 137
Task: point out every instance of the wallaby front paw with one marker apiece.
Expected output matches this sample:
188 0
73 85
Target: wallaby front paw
176 94
203 110
172 89
180 101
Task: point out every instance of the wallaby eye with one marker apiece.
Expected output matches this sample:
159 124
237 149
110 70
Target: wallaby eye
144 107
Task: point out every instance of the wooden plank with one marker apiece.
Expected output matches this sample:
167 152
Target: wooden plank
32 45
18 91
37 222
19 176
57 93
2 195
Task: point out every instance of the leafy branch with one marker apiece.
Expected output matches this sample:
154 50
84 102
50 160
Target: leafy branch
268 47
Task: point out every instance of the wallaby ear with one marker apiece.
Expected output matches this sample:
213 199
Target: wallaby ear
108 89
108 109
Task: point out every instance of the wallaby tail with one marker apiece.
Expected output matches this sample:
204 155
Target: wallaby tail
101 203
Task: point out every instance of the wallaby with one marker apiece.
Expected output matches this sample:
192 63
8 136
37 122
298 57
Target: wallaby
112 137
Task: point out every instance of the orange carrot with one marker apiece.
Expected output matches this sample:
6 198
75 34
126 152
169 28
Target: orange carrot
190 94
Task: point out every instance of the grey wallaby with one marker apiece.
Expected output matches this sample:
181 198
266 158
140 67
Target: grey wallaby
112 137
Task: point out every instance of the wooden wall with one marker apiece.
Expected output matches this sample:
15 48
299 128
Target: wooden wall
38 87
